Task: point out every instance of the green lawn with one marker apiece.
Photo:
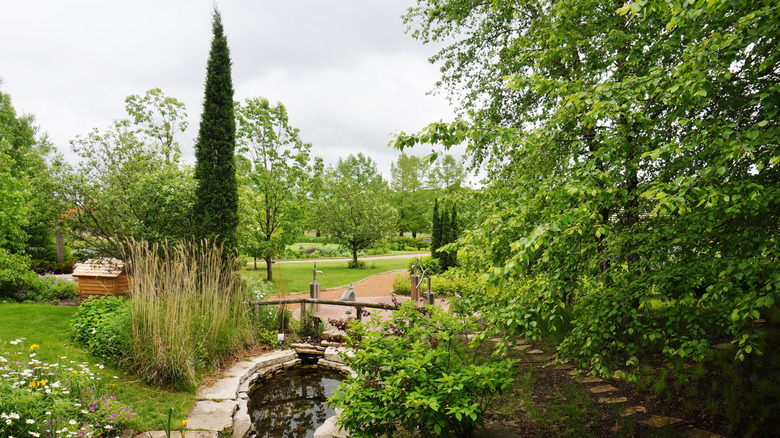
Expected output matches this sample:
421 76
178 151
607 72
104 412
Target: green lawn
49 327
296 277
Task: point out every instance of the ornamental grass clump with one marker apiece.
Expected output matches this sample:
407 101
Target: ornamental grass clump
187 311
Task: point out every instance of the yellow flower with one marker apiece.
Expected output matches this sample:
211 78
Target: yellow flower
184 422
34 347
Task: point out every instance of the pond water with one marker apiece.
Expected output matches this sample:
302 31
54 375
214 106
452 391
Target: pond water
292 404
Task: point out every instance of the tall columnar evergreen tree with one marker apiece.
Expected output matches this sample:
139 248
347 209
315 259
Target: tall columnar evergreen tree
216 203
435 230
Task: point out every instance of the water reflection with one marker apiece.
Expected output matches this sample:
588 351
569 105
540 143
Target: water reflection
292 404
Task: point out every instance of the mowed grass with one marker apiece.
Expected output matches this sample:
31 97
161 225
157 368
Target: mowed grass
296 277
49 327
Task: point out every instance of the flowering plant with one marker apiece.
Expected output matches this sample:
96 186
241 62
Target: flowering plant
62 399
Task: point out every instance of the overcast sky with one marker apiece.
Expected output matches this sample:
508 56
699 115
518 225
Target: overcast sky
346 71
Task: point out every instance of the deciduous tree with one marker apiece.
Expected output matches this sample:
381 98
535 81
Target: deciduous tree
631 152
354 208
277 178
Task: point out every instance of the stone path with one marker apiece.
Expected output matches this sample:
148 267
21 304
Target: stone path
608 394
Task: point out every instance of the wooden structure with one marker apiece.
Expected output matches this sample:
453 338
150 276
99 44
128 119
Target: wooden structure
303 301
101 277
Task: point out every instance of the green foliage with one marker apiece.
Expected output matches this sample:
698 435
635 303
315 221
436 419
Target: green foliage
410 196
131 171
431 265
216 193
33 288
353 207
102 327
442 285
406 243
417 371
612 180
275 179
356 264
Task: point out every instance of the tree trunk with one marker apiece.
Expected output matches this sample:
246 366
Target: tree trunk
255 269
269 269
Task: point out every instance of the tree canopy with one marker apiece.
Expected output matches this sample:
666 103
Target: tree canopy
353 207
276 179
631 152
129 182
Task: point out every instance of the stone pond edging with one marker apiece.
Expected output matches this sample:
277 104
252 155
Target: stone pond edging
222 406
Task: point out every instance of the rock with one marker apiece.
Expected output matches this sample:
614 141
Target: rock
588 379
242 424
309 351
521 347
536 351
211 415
334 354
330 429
563 366
698 433
661 421
633 410
602 389
612 400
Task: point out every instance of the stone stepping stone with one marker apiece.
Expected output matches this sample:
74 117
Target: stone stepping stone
612 400
602 389
496 339
633 410
536 351
698 433
589 379
619 374
723 346
563 366
661 421
521 347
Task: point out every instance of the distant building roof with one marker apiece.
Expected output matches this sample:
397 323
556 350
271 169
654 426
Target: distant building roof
109 268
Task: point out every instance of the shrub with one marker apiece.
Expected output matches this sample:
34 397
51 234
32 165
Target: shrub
406 243
418 370
102 327
188 311
430 264
402 285
442 285
356 264
31 288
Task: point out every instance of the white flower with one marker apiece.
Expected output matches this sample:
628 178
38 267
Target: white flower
8 421
34 433
72 422
29 421
14 415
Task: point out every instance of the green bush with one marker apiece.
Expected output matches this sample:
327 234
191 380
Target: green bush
32 288
51 288
102 327
406 243
430 264
402 285
417 371
442 285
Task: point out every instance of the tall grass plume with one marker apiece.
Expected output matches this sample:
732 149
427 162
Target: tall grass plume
188 310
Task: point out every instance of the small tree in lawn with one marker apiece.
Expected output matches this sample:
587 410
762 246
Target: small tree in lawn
353 206
276 179
216 195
